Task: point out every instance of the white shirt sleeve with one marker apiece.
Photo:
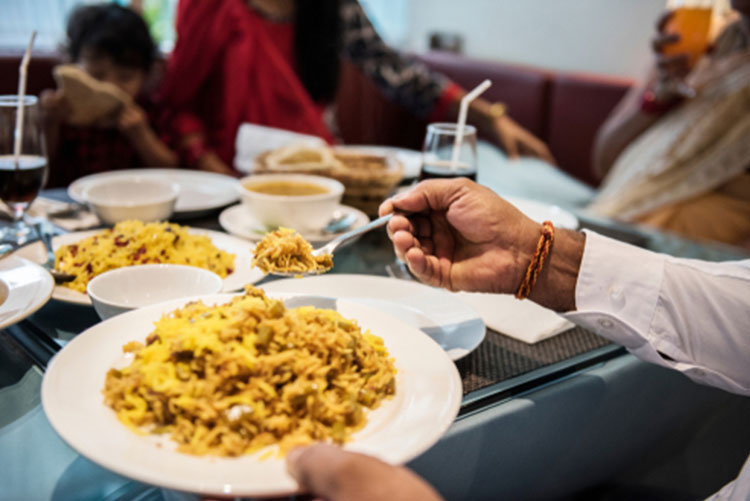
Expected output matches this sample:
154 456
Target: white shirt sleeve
689 315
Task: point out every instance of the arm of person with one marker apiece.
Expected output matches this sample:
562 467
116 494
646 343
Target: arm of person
688 315
153 152
643 105
54 110
424 92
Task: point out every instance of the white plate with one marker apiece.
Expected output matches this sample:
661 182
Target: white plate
450 322
26 287
199 191
428 396
411 160
540 212
239 220
243 273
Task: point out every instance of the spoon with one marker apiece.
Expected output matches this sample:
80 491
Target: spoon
336 243
60 278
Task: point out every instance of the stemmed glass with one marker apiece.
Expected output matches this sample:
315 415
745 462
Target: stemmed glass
22 178
437 152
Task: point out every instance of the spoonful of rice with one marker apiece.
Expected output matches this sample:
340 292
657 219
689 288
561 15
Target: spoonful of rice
285 253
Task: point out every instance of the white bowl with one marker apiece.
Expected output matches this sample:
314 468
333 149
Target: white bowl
124 289
301 213
145 199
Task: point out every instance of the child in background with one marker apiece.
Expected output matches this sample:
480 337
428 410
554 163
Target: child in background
112 44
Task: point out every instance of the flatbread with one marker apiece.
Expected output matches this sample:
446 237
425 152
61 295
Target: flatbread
90 100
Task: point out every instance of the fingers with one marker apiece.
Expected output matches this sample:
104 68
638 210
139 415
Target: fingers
333 474
509 143
430 195
661 23
664 39
673 66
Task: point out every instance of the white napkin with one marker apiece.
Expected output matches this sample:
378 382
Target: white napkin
78 220
253 140
522 320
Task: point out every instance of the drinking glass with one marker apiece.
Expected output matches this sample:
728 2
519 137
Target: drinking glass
22 178
692 21
437 152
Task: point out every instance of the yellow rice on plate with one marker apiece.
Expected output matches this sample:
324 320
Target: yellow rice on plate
230 379
286 251
135 242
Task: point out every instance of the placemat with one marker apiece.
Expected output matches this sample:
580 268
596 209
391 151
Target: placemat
500 357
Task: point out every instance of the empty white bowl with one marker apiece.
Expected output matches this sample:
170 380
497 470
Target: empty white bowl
124 289
145 199
299 212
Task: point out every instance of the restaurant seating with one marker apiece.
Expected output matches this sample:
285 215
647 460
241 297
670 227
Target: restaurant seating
562 108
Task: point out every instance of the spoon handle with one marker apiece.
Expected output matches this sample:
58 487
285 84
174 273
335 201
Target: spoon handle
334 244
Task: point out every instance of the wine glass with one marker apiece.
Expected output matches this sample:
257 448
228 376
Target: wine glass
437 152
21 178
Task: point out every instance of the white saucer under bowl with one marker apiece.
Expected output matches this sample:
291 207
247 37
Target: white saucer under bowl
240 221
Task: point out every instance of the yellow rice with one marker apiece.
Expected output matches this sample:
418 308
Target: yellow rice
284 250
135 242
230 379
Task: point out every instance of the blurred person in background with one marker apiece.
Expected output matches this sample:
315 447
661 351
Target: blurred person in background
112 44
276 63
681 163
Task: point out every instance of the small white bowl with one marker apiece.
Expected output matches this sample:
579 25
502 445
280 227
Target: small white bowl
124 289
299 212
145 199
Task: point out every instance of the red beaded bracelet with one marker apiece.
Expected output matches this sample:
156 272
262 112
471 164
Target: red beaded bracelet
537 261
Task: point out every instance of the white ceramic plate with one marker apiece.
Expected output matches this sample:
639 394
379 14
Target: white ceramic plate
411 160
428 396
199 191
239 220
243 273
540 212
24 288
453 324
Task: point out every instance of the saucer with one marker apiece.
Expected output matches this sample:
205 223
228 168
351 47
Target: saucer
240 221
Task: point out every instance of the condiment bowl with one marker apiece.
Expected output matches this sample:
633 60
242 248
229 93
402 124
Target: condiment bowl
299 212
124 289
145 199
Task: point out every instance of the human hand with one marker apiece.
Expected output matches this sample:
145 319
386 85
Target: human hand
54 105
671 68
515 140
133 121
333 474
459 235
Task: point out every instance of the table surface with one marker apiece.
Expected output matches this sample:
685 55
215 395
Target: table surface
37 464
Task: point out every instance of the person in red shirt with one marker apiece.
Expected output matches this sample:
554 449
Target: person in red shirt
112 44
276 63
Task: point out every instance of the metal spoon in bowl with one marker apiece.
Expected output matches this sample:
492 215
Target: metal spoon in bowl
335 244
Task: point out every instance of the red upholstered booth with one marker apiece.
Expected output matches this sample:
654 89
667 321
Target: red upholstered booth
564 109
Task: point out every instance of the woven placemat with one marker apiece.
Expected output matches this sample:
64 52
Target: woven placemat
500 357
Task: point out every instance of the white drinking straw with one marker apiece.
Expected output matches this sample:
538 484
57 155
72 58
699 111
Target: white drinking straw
462 112
22 72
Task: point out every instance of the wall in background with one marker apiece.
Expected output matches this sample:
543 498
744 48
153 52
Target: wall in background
602 36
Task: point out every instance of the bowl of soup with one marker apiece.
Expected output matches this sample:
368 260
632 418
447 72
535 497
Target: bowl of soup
298 201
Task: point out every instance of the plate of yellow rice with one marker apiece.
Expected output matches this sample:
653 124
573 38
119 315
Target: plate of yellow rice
206 395
87 254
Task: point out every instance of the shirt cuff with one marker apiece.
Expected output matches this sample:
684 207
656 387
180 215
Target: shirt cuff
617 290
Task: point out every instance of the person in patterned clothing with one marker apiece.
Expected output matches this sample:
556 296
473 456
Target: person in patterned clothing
276 63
